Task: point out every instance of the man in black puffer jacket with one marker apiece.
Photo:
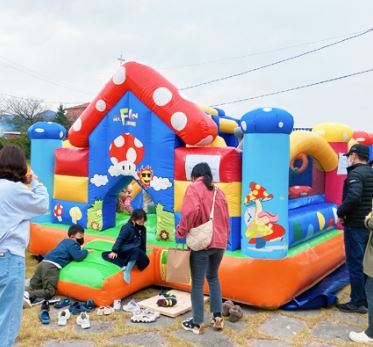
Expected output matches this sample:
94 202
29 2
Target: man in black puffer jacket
356 204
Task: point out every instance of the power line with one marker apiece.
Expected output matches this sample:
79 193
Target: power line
279 61
274 50
24 69
46 101
295 88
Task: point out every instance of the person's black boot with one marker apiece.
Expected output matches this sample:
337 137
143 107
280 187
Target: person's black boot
353 308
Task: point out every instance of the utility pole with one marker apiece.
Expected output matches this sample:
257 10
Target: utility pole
121 59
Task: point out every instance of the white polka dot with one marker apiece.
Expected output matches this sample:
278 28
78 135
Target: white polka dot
360 139
119 141
243 125
162 96
267 109
138 143
39 130
110 147
179 121
114 160
77 125
206 141
280 124
120 76
131 155
100 105
61 134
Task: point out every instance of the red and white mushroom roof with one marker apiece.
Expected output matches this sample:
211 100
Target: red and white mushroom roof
185 118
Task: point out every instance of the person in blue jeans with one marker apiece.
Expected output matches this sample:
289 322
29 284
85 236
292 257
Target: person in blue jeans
18 204
196 208
356 204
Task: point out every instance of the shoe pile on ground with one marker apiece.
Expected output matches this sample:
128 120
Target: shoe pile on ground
232 311
167 299
140 315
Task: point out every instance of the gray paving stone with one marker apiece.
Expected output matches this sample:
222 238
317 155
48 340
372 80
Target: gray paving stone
67 343
304 313
210 338
236 326
268 343
148 339
162 321
281 326
331 331
351 317
96 327
318 345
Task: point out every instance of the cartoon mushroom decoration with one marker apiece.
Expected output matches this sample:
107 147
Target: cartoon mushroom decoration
46 130
126 151
75 214
257 194
57 211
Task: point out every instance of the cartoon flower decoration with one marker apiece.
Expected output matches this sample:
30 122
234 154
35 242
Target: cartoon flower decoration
95 226
164 235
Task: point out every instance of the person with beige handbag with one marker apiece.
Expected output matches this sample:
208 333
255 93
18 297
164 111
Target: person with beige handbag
205 224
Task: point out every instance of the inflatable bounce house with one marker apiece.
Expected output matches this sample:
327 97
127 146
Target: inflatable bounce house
282 185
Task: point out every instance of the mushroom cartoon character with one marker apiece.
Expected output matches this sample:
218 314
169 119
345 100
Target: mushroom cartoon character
75 214
126 151
261 227
57 211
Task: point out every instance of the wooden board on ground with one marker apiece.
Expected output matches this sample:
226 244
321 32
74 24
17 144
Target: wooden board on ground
183 304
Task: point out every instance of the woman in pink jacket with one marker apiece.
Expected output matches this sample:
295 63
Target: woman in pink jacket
195 211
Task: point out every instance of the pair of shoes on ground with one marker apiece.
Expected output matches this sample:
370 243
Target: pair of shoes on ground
62 303
232 311
353 308
83 320
131 306
146 315
167 298
360 337
217 323
105 310
82 306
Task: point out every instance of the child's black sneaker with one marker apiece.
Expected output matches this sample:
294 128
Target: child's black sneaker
190 326
166 293
45 306
167 301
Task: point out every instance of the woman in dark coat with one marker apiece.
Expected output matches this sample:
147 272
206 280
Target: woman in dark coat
130 246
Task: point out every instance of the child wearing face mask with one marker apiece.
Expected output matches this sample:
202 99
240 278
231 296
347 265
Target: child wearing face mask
43 283
130 246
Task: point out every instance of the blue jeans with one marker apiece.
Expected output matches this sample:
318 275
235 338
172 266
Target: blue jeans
355 240
12 281
205 264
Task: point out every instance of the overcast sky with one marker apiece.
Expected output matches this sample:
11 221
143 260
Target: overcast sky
65 51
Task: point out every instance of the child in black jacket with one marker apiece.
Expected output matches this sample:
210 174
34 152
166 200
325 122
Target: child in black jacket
130 247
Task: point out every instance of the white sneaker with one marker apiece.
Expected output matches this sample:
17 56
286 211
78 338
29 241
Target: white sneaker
26 300
105 310
83 320
63 316
361 337
117 304
132 306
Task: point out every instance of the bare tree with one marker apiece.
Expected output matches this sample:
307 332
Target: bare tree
25 111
